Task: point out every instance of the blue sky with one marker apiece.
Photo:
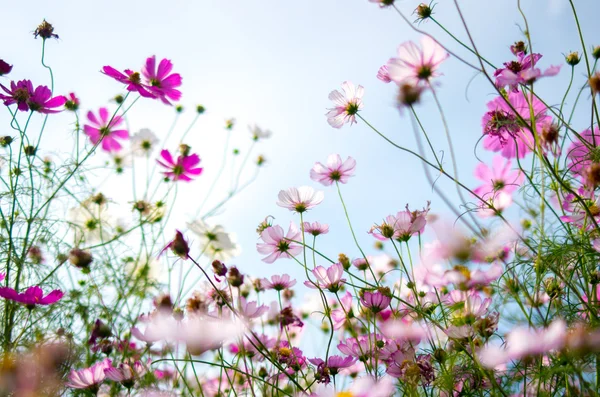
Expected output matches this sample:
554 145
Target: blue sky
273 63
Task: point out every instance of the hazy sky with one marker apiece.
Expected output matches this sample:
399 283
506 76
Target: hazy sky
274 62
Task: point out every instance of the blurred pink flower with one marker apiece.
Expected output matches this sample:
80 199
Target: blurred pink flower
340 315
32 296
582 151
89 378
330 278
277 283
184 168
415 65
299 199
383 74
277 245
251 309
499 177
125 373
160 81
347 105
333 171
402 226
103 129
522 71
132 79
315 228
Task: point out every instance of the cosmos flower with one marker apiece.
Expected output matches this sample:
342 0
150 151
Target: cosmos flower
89 378
499 177
104 129
330 278
414 65
383 74
277 283
299 199
522 71
19 93
276 244
143 142
184 168
333 171
41 101
160 81
315 228
220 245
347 105
32 296
132 79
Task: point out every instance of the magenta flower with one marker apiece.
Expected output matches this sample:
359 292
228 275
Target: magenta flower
347 105
504 131
89 378
576 210
72 102
178 246
160 82
41 101
383 74
315 228
32 296
299 199
416 65
130 78
330 278
103 129
2 276
277 245
498 178
334 363
376 301
333 171
5 68
183 169
522 71
278 283
19 93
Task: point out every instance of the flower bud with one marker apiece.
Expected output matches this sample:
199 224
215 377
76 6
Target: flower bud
343 259
200 109
5 68
234 277
219 268
423 11
573 58
596 52
29 150
594 82
119 99
179 246
45 30
229 124
179 108
5 141
80 259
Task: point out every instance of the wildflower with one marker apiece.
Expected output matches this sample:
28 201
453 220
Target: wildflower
423 11
160 81
507 132
376 301
45 30
132 79
32 296
361 347
19 93
330 278
315 228
182 169
416 65
402 226
178 245
334 363
409 94
278 283
89 378
125 374
343 313
299 199
220 245
575 207
41 101
72 102
347 105
572 58
251 309
594 82
584 151
259 133
234 277
103 130
277 245
287 317
333 171
5 68
383 74
498 178
522 71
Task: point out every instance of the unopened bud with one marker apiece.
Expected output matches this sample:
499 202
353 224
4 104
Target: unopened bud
219 268
234 277
573 58
80 259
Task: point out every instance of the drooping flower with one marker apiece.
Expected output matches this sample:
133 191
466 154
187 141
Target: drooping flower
277 283
299 199
183 169
125 374
504 129
347 105
315 228
132 79
498 178
522 71
160 81
334 363
104 129
276 244
5 68
19 93
89 378
383 74
32 296
330 278
333 171
178 245
417 66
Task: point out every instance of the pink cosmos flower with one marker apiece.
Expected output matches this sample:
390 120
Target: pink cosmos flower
5 68
581 154
504 131
32 296
278 283
340 315
334 363
361 347
72 102
89 378
495 204
103 129
41 101
160 81
179 246
499 177
277 245
299 199
130 78
376 301
402 226
334 171
251 309
383 74
316 228
330 278
125 373
183 169
522 71
414 65
19 93
576 210
347 105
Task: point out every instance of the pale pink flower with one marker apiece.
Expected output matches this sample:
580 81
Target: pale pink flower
315 228
333 171
203 334
278 283
376 301
383 74
522 71
347 105
125 373
500 177
251 309
299 199
104 129
582 151
361 387
340 315
89 378
415 65
402 226
405 330
276 244
330 278
160 81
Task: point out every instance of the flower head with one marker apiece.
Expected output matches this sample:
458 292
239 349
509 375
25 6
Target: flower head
178 245
402 226
259 133
19 93
333 171
522 71
415 65
278 283
104 129
32 296
376 300
219 244
45 30
330 278
498 178
183 169
277 244
160 81
72 102
299 199
126 374
41 101
89 378
143 142
347 105
5 68
315 228
132 79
